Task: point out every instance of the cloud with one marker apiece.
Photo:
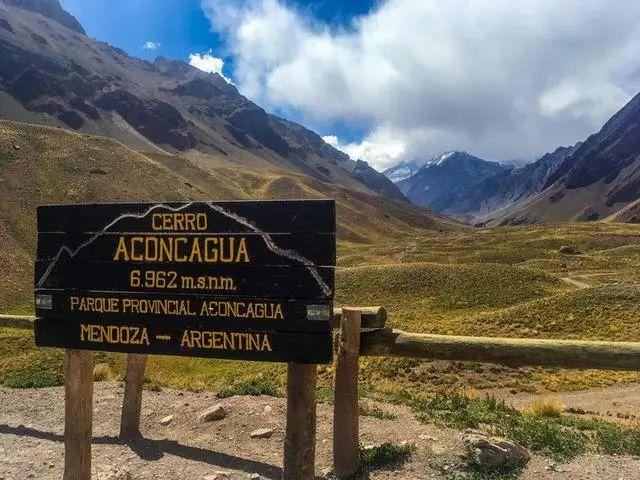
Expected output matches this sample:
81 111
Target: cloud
207 63
151 45
380 148
499 78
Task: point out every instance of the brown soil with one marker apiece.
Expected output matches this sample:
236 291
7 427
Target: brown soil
619 403
31 426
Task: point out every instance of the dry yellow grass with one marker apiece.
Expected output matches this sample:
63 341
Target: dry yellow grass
545 407
102 372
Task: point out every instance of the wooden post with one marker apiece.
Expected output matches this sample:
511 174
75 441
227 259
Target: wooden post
132 401
346 452
300 435
78 405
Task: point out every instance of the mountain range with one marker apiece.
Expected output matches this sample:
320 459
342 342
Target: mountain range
53 74
442 180
596 179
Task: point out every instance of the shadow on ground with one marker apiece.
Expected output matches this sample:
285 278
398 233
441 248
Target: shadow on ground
150 450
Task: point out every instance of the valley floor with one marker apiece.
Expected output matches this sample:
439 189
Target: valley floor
31 439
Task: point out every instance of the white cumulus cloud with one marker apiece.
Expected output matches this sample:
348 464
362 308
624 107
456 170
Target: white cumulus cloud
379 149
499 78
207 63
151 45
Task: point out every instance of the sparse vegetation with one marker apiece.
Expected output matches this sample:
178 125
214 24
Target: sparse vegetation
102 372
36 371
369 410
254 386
386 455
558 437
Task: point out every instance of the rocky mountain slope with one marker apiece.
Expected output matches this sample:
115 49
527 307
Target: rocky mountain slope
508 187
441 181
599 179
52 73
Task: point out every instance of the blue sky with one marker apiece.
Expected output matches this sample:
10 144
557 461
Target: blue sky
178 25
391 80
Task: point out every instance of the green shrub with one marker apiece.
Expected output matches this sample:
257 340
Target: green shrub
253 386
367 410
609 438
545 436
42 371
386 455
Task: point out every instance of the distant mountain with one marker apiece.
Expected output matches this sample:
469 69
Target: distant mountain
508 186
600 178
402 171
51 73
445 179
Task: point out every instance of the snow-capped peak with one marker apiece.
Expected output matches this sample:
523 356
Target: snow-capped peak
443 157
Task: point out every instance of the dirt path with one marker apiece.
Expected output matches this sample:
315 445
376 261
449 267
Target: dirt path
31 427
573 279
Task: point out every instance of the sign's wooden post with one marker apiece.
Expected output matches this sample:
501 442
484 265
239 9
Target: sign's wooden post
132 401
300 434
78 402
346 455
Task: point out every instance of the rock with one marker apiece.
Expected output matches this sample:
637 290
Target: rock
16 146
567 250
267 410
554 467
217 412
262 433
166 420
254 476
488 454
218 475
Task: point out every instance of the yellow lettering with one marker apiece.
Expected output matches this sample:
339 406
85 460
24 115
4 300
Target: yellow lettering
136 257
156 225
121 250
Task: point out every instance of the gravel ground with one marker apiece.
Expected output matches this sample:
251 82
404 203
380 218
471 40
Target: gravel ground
31 427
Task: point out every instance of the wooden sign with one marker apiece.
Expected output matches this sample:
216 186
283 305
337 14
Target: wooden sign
241 280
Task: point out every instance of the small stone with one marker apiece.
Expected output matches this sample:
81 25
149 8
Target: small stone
217 412
254 476
267 409
16 146
554 467
428 438
166 420
262 433
218 475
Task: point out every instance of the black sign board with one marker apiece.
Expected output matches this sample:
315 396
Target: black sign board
240 280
